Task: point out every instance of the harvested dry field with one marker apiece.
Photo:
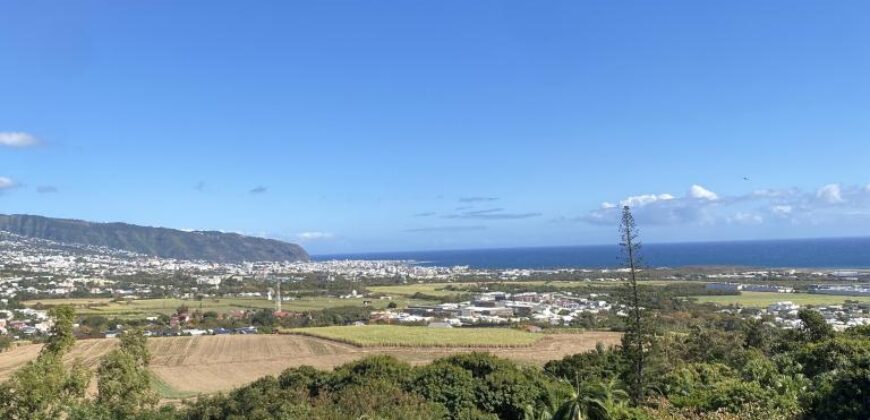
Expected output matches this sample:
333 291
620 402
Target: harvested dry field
189 365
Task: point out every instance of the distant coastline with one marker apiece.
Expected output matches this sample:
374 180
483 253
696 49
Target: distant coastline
828 253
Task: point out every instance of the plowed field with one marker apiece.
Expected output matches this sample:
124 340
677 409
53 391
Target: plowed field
191 365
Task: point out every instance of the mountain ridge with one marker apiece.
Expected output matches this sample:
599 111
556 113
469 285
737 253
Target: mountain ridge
155 241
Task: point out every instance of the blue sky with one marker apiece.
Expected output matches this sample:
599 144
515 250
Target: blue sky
377 126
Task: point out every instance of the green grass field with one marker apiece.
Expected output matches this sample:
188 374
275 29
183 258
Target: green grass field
152 307
762 299
399 336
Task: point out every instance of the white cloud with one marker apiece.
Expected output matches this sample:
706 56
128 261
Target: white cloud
830 193
314 236
6 183
17 139
643 200
781 210
832 203
649 208
697 191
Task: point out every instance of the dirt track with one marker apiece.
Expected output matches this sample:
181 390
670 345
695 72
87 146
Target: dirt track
219 363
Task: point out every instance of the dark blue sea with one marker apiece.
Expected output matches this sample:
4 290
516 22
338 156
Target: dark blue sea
796 253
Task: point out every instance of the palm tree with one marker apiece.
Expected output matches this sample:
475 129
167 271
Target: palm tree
595 401
530 413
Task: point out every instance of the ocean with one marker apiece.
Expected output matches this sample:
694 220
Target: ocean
796 253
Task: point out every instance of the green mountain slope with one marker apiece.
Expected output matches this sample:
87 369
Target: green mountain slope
161 242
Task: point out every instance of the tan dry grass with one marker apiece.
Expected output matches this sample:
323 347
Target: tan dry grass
219 363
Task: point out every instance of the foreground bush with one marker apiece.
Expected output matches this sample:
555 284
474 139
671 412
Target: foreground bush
468 386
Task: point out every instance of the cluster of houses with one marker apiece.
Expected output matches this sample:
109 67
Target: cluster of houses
30 323
841 290
844 316
785 314
25 322
557 308
182 323
55 285
857 289
174 332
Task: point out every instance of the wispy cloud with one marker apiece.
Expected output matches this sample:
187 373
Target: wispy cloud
489 214
484 211
6 183
46 189
477 199
425 214
258 190
503 216
447 229
314 236
17 139
745 218
829 203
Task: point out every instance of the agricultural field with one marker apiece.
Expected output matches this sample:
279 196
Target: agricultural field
152 307
401 336
188 366
763 299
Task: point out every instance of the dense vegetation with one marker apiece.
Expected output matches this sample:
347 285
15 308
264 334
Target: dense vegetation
160 242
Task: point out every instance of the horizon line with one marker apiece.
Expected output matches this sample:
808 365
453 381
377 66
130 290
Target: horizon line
822 238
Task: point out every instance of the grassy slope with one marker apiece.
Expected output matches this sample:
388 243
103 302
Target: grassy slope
186 366
167 392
